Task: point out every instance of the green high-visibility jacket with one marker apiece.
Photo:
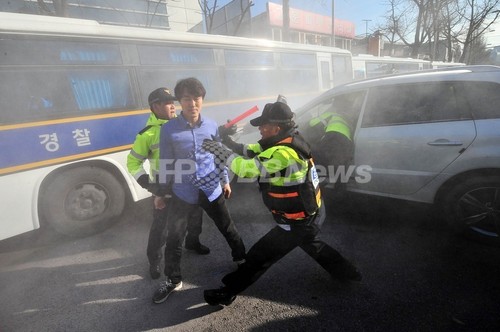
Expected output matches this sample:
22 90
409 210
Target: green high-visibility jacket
146 147
283 175
270 164
333 122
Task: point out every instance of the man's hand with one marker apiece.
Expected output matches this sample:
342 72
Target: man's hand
227 190
159 203
220 152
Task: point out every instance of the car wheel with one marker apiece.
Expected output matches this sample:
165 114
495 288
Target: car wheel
473 208
82 201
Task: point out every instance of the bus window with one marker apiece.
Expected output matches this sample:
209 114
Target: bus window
50 52
101 89
43 95
49 94
299 72
248 58
251 83
300 80
293 60
342 69
325 75
153 77
167 55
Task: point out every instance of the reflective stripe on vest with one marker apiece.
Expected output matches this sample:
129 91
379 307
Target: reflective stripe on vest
291 216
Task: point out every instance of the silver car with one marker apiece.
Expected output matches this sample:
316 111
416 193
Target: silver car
431 137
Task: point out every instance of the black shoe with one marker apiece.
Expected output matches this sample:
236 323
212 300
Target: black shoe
154 271
218 296
165 289
348 272
198 247
239 261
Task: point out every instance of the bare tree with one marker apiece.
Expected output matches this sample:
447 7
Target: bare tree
149 22
43 7
208 11
478 17
408 21
395 24
450 29
245 8
60 8
433 23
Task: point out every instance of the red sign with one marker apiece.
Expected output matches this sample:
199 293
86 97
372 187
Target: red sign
307 21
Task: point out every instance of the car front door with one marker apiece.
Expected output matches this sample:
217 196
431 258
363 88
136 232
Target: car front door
408 134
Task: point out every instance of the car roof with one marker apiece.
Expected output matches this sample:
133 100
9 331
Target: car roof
478 72
472 73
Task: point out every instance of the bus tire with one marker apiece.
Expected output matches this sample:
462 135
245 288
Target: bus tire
82 201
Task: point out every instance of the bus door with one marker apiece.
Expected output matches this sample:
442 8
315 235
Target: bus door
325 71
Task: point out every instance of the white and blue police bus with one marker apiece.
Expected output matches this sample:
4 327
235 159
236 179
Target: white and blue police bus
369 66
73 95
444 64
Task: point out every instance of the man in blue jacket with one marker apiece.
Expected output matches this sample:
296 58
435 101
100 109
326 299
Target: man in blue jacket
195 180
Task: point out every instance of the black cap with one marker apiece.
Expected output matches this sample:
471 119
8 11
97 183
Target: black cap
159 95
276 113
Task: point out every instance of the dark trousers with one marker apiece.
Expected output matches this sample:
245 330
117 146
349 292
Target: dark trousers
279 242
157 231
180 213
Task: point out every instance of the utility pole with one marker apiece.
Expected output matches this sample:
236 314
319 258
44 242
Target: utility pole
366 35
286 20
333 23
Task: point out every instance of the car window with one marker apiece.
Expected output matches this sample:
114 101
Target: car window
484 98
415 103
347 105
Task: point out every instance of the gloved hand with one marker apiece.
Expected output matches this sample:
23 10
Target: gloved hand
220 152
143 181
155 188
225 132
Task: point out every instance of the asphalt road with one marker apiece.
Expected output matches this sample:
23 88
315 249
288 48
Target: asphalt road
417 277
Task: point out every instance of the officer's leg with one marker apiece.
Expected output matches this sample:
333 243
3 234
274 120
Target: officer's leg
330 259
263 254
156 238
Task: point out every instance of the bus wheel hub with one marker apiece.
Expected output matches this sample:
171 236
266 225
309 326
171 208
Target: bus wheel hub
85 202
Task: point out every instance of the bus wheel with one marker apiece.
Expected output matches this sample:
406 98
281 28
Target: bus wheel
82 201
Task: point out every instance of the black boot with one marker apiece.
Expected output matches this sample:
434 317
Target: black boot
197 247
218 296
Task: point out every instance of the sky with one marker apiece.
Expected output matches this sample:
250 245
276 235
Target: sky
350 10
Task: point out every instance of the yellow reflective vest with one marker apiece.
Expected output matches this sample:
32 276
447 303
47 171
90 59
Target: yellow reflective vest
288 180
146 147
